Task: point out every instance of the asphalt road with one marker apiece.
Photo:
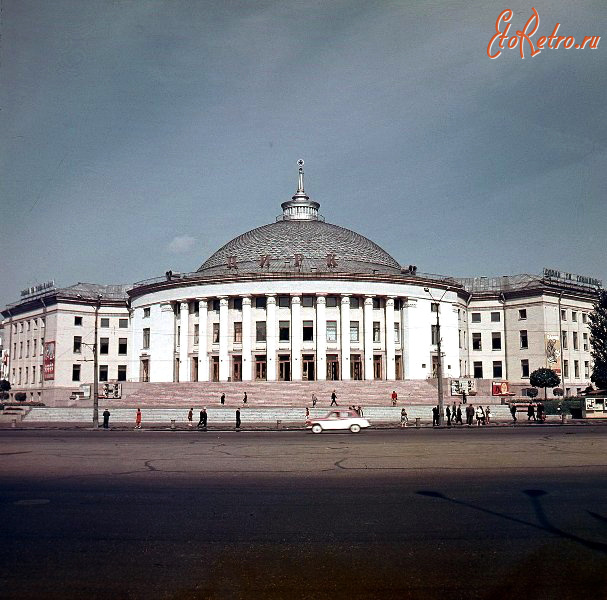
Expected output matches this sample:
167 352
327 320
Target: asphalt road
469 513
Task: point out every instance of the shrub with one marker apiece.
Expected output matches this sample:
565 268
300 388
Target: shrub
21 396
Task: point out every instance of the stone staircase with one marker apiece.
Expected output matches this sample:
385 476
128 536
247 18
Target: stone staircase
226 415
282 393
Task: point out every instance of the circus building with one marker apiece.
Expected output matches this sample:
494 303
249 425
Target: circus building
298 300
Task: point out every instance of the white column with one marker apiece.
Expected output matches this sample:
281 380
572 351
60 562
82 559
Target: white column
271 336
184 367
345 337
390 345
203 341
321 338
247 340
224 359
368 331
296 338
162 342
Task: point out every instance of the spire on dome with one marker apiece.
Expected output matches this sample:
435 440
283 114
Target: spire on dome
300 207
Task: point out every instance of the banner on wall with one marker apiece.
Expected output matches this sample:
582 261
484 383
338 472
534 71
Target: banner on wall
553 353
49 361
458 386
501 388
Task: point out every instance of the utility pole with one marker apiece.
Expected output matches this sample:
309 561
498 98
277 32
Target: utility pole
96 367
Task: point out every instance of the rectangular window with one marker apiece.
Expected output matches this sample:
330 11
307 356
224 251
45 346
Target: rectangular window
34 346
476 317
564 340
576 369
331 301
104 345
216 333
331 331
434 334
524 368
563 314
178 341
19 381
478 370
354 331
575 341
522 314
376 303
27 375
284 301
123 323
565 368
103 372
75 372
376 332
584 318
122 345
238 332
33 374
496 340
459 338
476 341
104 322
78 321
397 333
496 317
77 344
260 331
307 301
260 302
237 303
20 349
585 341
121 373
574 316
146 338
524 339
283 331
354 302
196 333
308 331
27 349
146 312
586 369
497 369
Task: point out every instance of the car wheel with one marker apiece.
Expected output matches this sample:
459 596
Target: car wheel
354 428
316 428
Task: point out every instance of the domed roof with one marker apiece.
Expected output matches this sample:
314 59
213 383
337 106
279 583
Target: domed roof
300 246
301 242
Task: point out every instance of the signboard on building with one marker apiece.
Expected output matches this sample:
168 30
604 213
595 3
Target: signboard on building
558 275
500 388
37 289
553 353
459 386
49 361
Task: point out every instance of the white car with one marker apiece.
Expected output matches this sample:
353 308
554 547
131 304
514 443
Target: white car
338 419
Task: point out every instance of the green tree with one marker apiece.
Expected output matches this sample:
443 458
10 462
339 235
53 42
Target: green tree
598 340
532 393
544 378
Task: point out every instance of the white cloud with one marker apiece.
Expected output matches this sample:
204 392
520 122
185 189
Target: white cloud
182 244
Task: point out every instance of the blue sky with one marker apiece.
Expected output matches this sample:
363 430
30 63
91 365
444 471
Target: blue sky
137 137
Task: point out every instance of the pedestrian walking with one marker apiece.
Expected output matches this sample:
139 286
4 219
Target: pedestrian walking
307 415
314 400
333 399
530 412
458 417
238 418
359 410
541 413
434 416
513 412
469 414
463 397
488 415
106 418
404 419
394 397
190 417
453 410
203 418
245 399
448 413
480 415
138 419
222 399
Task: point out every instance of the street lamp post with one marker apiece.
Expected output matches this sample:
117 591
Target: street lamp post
441 402
96 368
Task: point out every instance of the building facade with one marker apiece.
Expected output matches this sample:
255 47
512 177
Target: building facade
298 299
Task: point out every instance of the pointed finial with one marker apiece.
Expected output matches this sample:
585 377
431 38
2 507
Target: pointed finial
300 186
